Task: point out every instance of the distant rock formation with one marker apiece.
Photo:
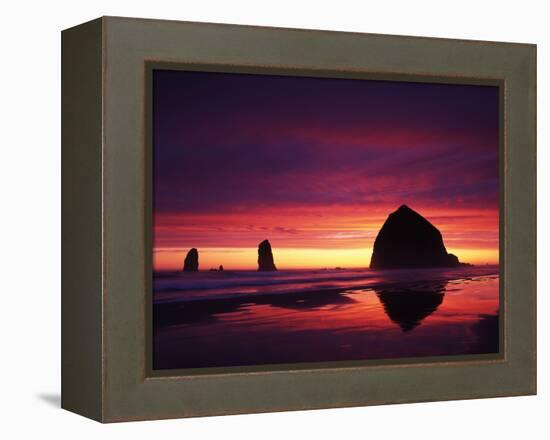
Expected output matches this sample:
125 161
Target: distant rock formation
265 257
191 263
219 269
408 240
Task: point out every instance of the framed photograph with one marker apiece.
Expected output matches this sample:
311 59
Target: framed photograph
263 219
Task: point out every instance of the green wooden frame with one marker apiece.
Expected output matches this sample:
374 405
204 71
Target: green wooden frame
106 233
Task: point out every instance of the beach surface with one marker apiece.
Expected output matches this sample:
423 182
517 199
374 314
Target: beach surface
241 318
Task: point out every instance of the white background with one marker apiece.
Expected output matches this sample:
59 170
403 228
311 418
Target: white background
30 219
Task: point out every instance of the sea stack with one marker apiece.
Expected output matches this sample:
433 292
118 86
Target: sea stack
191 263
408 240
265 257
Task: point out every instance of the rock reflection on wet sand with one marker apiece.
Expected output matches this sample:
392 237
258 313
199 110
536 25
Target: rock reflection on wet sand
421 318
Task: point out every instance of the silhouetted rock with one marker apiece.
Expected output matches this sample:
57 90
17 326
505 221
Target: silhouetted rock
191 263
453 260
407 307
265 257
221 268
408 240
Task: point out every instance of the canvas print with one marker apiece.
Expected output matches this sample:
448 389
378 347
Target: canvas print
301 219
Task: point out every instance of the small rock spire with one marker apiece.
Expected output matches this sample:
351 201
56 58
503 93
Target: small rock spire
191 263
265 257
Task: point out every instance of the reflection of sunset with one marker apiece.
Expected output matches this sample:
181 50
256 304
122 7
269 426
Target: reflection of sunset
458 316
463 302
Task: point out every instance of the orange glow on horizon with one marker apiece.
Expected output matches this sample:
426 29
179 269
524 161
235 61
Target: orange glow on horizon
316 237
295 258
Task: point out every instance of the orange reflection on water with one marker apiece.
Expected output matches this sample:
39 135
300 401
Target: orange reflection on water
461 301
403 319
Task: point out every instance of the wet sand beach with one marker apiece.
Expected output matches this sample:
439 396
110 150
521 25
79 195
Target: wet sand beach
245 318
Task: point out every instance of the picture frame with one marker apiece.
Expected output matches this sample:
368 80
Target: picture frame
107 221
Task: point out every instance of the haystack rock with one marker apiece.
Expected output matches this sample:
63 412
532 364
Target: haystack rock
408 240
191 263
265 257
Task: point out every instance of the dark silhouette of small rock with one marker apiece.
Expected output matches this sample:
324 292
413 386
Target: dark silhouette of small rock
221 268
265 257
408 240
191 263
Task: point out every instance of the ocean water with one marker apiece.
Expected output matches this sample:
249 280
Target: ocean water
239 318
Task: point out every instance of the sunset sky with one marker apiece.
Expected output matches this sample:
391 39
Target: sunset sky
316 165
